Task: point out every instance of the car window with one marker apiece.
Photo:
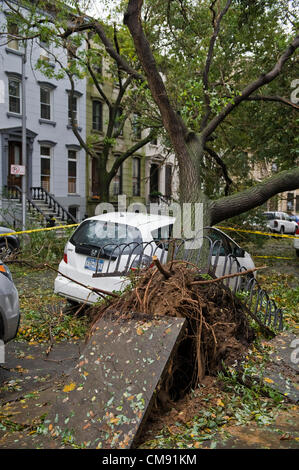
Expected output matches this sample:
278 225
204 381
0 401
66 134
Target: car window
227 246
162 234
222 247
99 233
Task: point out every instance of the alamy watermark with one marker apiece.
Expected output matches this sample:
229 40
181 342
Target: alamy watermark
188 224
295 93
2 352
295 354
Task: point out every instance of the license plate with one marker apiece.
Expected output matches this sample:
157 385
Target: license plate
94 264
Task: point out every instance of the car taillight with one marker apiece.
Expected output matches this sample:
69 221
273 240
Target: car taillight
297 230
5 270
65 257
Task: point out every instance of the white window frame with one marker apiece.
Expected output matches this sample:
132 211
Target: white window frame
14 79
50 104
49 157
76 113
72 159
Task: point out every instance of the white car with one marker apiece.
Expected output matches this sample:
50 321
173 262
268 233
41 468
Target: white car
109 244
280 222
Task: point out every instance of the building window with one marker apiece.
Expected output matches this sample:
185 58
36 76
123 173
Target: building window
72 171
136 176
44 51
168 181
290 202
98 65
136 127
14 93
45 103
97 116
72 109
117 181
71 53
12 33
118 125
45 167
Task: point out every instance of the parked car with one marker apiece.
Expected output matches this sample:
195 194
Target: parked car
9 305
295 217
296 241
280 222
92 248
8 244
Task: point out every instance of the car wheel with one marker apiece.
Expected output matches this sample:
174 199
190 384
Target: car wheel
282 230
71 307
6 249
297 253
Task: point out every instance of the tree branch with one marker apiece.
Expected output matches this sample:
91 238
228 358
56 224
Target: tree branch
221 163
205 76
128 153
255 196
278 99
249 89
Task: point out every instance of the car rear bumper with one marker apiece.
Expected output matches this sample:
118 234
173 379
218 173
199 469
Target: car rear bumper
11 315
73 291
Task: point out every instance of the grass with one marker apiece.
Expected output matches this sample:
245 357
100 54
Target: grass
44 315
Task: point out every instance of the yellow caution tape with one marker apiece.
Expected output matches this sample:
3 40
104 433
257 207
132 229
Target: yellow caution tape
271 234
38 230
272 257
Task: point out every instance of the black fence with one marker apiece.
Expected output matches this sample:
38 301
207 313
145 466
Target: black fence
207 255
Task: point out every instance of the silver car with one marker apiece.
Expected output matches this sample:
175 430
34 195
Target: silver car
9 305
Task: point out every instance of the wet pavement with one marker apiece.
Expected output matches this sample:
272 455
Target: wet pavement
35 378
32 367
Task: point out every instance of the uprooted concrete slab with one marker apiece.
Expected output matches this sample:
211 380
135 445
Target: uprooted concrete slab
104 401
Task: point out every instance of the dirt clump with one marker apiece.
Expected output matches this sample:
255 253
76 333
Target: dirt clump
218 329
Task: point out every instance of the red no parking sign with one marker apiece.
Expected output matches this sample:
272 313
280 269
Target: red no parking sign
17 170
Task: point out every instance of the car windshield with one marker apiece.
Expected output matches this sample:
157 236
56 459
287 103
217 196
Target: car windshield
97 233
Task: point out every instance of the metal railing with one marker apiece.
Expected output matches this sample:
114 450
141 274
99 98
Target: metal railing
211 258
38 193
14 192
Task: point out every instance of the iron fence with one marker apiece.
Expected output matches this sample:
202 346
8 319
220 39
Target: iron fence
212 258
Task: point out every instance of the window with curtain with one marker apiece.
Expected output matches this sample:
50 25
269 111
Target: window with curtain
72 171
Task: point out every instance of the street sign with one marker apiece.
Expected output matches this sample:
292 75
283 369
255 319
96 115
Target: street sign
17 170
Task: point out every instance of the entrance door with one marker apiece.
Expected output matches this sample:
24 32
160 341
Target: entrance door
14 158
154 178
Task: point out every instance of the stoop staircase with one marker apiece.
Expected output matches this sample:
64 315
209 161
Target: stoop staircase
41 205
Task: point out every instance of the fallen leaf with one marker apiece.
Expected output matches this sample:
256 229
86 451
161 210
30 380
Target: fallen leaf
269 381
70 387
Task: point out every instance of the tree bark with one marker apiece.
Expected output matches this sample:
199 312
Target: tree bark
255 196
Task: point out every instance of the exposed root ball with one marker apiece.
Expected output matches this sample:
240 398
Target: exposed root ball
218 328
